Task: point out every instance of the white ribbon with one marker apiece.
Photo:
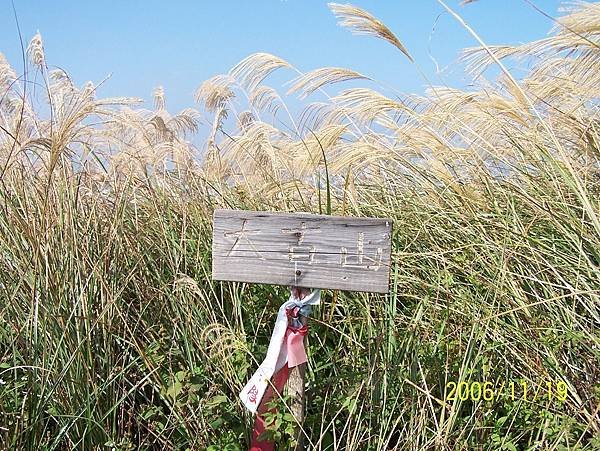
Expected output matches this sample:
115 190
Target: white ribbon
276 357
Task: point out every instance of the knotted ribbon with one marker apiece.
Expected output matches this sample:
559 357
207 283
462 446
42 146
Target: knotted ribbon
286 347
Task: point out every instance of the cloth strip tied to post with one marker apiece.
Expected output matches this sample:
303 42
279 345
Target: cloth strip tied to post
286 350
278 355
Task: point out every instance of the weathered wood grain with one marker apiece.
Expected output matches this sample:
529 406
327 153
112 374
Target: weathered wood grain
302 249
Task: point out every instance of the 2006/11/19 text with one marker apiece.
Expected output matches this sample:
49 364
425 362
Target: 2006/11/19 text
512 390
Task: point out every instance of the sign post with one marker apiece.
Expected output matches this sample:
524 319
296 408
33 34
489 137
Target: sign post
305 252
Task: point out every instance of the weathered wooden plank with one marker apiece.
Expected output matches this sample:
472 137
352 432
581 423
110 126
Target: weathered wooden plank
302 249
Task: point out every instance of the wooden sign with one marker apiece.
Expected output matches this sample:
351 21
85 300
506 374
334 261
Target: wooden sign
302 249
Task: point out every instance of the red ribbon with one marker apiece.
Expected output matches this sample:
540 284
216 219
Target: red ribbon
294 341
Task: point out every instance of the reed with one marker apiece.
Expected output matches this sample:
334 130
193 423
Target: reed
113 336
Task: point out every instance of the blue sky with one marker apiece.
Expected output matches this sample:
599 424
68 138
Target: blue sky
178 44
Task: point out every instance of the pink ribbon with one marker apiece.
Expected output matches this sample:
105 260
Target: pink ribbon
296 355
294 339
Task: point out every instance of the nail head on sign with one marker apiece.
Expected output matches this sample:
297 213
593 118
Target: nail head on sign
298 272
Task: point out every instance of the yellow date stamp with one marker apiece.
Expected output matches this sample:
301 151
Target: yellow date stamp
549 390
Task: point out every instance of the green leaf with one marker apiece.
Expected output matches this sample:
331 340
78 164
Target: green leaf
216 401
174 390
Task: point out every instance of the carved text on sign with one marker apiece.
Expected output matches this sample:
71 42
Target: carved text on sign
302 254
240 235
300 232
302 249
362 260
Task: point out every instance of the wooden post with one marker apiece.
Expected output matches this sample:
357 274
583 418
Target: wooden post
295 388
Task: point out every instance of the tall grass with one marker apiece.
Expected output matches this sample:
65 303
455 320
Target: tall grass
113 336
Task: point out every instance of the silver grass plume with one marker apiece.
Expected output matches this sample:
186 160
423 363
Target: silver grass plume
7 74
265 98
215 92
253 69
244 120
35 50
308 83
361 22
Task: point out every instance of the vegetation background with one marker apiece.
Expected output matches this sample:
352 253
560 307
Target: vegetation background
113 336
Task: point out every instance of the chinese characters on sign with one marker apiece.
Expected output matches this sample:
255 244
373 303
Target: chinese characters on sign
307 250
